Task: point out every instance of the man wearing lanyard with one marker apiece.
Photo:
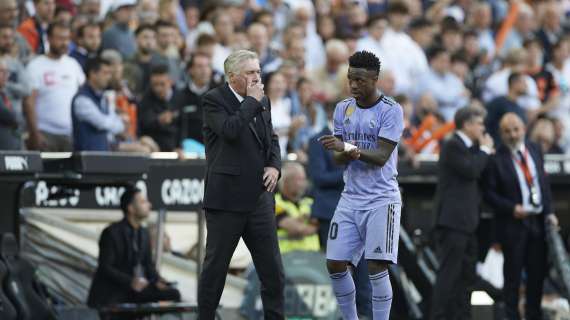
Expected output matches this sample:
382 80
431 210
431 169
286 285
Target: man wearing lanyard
518 190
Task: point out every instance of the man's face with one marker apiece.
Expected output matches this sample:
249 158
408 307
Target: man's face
512 132
161 85
146 41
166 37
296 184
45 10
296 50
116 73
519 86
59 41
201 72
140 207
91 38
224 26
474 128
101 79
6 40
91 8
250 73
362 82
125 14
4 74
258 37
378 28
441 63
9 12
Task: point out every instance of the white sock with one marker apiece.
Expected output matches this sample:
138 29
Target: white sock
345 292
381 295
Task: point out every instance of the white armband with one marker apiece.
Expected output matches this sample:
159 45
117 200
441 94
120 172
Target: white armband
349 147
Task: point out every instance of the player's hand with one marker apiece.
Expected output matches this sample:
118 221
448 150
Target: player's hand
519 212
354 154
255 89
270 176
139 284
331 142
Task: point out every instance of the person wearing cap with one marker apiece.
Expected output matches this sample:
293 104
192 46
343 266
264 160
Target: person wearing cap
119 36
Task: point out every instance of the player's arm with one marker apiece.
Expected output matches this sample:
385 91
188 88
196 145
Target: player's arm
343 153
380 156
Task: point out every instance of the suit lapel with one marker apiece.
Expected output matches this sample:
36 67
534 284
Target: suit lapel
509 165
235 104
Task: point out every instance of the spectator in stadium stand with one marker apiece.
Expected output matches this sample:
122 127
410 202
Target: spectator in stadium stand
551 29
422 32
167 49
480 19
559 67
313 113
189 98
119 36
461 163
90 9
125 272
543 134
327 185
548 91
326 28
137 69
10 136
314 47
18 85
293 49
328 75
521 30
147 12
34 28
192 18
505 104
205 44
9 11
451 35
62 15
158 115
387 83
259 39
122 100
224 32
445 87
88 43
374 41
54 78
518 191
95 123
282 16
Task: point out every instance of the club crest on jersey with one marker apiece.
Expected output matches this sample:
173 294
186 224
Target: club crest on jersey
349 111
372 124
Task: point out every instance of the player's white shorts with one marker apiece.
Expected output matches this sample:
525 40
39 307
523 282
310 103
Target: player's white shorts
375 232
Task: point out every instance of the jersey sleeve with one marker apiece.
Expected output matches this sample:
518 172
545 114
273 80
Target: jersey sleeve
338 119
392 124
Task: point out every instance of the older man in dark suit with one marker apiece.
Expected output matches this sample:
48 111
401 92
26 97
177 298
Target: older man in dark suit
461 163
518 190
243 164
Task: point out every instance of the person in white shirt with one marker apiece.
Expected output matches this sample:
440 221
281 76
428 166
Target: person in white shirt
54 78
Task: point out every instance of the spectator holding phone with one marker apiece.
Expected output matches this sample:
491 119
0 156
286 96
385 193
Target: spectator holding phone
157 113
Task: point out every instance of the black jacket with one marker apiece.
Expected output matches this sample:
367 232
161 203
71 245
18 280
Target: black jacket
191 113
502 189
458 195
166 136
117 260
235 152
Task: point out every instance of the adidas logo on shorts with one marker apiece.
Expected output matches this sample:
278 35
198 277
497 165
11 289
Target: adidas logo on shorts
378 250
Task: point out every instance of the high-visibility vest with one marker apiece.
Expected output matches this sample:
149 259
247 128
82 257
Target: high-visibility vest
302 209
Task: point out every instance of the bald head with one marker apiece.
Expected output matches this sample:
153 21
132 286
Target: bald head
512 130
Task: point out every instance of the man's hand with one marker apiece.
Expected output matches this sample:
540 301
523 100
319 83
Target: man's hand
161 285
552 220
166 117
36 141
519 212
486 140
255 90
270 176
354 154
139 284
331 142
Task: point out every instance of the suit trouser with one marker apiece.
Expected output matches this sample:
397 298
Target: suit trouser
524 248
361 279
259 232
457 254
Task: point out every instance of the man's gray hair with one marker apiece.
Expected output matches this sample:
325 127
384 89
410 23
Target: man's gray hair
287 170
233 62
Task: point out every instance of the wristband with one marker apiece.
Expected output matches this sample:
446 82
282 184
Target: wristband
348 147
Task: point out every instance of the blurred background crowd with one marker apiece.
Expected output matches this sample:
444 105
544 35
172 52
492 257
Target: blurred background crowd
156 58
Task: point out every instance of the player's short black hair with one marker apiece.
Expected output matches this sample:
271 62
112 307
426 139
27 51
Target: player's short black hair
127 197
366 60
466 114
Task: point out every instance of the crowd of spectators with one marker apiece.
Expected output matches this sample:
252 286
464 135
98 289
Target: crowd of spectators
132 73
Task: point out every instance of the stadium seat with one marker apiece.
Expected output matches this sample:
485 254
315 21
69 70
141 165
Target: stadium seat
20 285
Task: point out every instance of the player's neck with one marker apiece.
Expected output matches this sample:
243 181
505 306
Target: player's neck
370 101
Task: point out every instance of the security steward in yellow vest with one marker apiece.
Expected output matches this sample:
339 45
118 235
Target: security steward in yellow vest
295 229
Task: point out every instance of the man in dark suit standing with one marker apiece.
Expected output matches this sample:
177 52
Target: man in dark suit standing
126 271
243 164
461 163
517 188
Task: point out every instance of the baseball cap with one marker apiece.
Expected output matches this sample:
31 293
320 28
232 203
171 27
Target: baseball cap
117 4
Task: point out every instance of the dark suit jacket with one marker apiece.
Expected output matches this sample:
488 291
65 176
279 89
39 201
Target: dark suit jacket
502 189
235 153
326 176
458 196
190 105
166 136
115 271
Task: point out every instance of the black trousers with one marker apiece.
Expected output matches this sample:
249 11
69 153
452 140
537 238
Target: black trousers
457 255
259 232
524 248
